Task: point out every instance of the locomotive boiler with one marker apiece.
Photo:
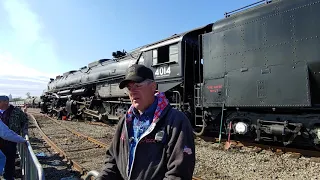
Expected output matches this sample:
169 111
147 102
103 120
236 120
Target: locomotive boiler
92 92
82 92
257 69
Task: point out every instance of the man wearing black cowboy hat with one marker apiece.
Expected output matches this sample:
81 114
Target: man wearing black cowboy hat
153 140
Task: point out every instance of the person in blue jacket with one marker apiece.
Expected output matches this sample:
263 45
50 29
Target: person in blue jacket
9 135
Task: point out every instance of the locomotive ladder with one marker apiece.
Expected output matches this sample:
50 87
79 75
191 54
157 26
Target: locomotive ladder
198 114
197 81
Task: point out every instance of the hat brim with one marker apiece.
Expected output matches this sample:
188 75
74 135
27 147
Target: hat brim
4 98
126 81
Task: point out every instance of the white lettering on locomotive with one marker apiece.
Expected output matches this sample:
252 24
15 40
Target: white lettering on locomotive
163 71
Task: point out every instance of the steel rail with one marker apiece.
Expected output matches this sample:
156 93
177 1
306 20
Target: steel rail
196 178
277 149
86 122
73 163
99 143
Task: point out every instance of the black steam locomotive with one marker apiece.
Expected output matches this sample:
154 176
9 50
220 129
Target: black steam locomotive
256 71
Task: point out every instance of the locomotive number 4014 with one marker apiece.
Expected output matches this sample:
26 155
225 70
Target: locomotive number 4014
163 71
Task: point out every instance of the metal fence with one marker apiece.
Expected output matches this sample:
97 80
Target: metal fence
30 166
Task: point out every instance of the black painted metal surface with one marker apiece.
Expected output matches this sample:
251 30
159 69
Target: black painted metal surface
265 56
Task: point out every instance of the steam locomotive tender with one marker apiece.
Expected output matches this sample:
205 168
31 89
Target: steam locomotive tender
256 71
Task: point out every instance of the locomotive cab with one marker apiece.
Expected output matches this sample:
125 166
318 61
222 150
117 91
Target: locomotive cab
177 67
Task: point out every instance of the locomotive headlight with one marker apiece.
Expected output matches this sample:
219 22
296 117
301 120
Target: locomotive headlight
241 128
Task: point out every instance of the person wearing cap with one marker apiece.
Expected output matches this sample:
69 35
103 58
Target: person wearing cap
9 135
17 121
24 108
153 140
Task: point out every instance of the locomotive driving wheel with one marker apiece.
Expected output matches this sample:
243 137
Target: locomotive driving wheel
315 137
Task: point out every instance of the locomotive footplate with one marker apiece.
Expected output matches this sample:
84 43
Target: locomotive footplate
284 130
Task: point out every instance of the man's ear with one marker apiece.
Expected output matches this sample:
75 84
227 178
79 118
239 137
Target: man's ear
154 86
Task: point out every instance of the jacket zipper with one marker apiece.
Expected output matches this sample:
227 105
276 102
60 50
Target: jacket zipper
128 147
148 131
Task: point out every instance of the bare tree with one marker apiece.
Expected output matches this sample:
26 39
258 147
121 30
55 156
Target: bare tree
17 99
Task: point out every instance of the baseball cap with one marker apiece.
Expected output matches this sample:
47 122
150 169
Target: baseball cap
136 73
4 98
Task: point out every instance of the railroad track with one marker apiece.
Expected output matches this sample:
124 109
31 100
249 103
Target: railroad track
257 147
79 149
294 152
76 162
34 111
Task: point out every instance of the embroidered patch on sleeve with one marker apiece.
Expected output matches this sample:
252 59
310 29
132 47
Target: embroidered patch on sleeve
122 137
187 150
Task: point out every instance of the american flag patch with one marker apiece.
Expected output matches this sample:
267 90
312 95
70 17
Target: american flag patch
122 136
187 150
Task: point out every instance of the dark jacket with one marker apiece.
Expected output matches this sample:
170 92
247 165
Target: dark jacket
16 120
169 157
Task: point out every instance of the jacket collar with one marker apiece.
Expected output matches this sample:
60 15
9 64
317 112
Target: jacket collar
162 103
149 111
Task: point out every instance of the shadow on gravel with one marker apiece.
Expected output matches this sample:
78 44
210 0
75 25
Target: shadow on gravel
53 165
55 168
35 140
54 174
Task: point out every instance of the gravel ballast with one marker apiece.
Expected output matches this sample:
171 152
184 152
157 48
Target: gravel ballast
215 163
54 166
212 162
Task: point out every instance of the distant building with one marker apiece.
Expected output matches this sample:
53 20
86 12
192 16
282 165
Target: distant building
10 97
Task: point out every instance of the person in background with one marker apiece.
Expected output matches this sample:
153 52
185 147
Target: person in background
62 114
24 108
17 121
153 140
9 135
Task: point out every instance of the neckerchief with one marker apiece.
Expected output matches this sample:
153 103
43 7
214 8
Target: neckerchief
162 104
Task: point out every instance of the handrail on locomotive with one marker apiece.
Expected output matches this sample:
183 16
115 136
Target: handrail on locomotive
227 14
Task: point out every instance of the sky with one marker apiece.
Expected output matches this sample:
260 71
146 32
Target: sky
42 39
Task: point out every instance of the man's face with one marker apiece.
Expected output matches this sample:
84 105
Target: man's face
141 94
3 104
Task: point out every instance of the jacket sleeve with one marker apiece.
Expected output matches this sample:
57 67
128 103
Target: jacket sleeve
110 169
24 122
181 150
10 135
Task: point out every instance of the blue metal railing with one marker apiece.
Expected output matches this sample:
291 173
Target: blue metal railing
30 166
